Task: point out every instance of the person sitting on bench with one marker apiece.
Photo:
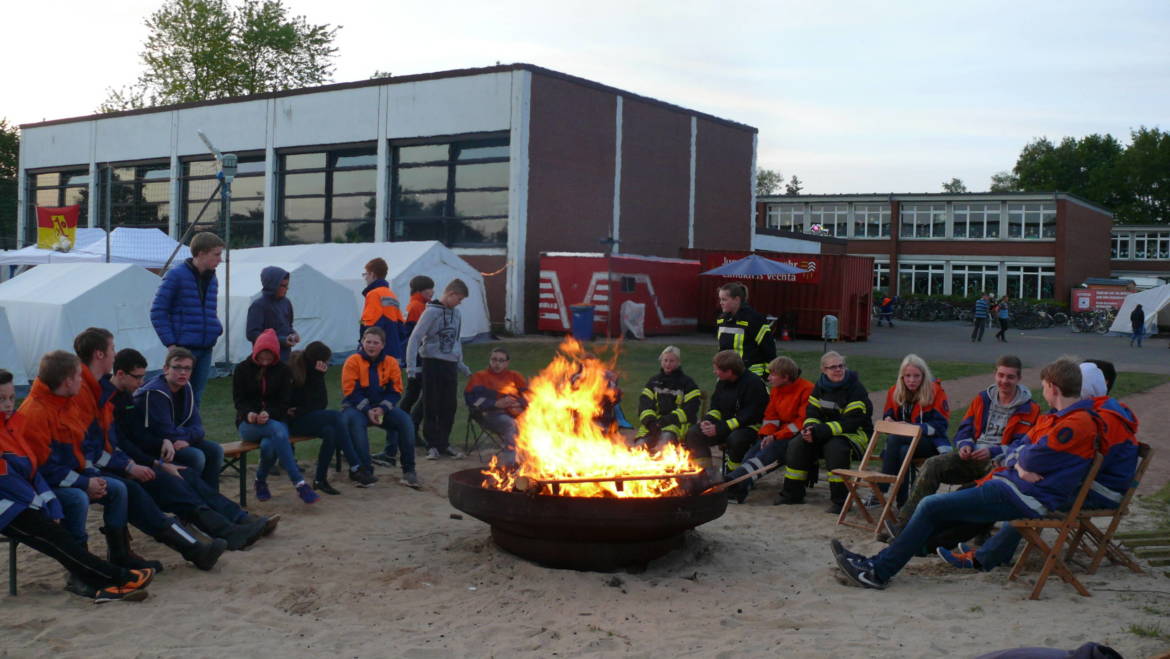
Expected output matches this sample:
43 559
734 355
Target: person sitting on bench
496 396
1120 445
669 404
736 412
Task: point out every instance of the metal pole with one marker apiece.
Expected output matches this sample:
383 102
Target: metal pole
190 228
108 204
225 211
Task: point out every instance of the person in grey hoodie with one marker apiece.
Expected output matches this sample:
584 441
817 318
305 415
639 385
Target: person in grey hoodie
273 310
1002 414
435 340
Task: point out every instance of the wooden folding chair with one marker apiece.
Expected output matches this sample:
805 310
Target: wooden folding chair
1102 541
854 478
1064 523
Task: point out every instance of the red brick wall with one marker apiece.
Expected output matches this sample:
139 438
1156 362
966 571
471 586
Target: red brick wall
1082 245
723 195
495 286
656 179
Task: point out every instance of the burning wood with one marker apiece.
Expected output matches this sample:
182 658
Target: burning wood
560 442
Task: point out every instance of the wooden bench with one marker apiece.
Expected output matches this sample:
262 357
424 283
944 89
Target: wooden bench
235 457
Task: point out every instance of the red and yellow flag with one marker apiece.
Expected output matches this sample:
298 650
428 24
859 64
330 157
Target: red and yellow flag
57 227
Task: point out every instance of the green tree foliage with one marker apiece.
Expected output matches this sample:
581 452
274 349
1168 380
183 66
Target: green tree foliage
768 181
1089 167
954 186
207 49
1004 182
9 153
793 187
1146 172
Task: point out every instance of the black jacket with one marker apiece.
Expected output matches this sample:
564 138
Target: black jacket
257 389
1137 319
311 396
840 408
749 334
669 401
738 404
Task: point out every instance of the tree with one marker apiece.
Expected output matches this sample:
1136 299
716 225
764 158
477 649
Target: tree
379 73
954 186
1004 182
9 154
1145 168
1089 167
201 50
768 181
794 186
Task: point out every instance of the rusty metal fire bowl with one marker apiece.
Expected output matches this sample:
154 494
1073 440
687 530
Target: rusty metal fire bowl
583 533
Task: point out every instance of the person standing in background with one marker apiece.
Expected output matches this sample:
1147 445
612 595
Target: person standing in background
1002 313
982 315
1137 322
273 310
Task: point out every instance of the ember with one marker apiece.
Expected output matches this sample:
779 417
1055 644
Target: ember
562 450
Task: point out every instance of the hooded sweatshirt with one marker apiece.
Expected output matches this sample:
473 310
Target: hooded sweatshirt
271 312
990 425
257 388
157 413
21 487
436 336
1120 447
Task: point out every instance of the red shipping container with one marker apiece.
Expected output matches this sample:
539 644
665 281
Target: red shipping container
668 287
837 285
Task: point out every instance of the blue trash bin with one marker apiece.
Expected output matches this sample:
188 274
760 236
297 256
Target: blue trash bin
582 322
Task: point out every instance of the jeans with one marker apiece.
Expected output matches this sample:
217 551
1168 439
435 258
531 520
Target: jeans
977 332
330 426
1138 333
75 503
200 372
992 502
946 468
1002 333
274 445
502 424
394 420
895 453
205 459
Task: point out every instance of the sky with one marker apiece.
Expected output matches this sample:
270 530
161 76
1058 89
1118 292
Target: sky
851 97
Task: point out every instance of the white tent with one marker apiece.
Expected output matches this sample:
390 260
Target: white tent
149 248
10 359
50 304
1153 301
345 262
323 310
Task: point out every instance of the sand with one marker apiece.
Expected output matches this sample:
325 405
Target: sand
387 571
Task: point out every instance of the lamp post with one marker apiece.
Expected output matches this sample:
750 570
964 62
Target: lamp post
226 164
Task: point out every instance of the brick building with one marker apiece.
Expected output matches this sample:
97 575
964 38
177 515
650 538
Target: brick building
1139 250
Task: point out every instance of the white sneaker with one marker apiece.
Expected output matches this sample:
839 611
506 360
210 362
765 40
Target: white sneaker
432 454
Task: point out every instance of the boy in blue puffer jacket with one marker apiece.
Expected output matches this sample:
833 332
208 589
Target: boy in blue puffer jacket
184 308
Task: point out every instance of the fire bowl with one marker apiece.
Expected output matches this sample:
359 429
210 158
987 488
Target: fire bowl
582 533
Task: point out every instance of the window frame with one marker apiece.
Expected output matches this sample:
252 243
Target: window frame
908 216
863 222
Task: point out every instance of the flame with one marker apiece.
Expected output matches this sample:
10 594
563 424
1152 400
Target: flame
559 436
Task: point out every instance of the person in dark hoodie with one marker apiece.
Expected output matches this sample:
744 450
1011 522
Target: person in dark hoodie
381 309
184 309
744 330
838 423
309 416
735 416
1137 323
273 310
261 386
371 384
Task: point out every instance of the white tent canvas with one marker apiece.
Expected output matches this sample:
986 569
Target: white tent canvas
1153 301
50 304
344 263
10 359
323 310
149 248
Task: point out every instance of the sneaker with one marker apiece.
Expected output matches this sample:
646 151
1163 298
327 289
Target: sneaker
859 571
262 491
324 486
410 479
449 453
133 590
962 557
383 460
840 550
362 477
432 454
306 493
870 501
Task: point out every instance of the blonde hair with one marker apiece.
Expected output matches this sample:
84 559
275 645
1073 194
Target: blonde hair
671 350
831 355
925 394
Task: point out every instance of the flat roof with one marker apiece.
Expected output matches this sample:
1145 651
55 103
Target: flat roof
393 80
939 196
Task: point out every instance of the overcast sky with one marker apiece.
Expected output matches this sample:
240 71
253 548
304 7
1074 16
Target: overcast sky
849 96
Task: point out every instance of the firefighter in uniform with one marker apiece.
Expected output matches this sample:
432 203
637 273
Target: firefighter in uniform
744 330
669 404
838 424
737 411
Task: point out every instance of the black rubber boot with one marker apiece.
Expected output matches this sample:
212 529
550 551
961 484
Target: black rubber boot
202 554
120 554
237 536
792 492
77 585
837 495
270 522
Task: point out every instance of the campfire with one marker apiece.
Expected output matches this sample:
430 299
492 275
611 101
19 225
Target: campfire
579 495
563 449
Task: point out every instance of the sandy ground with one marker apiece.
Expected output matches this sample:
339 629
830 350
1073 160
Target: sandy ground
388 571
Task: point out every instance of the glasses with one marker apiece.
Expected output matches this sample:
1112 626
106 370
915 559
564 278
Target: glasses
498 359
182 369
834 367
137 376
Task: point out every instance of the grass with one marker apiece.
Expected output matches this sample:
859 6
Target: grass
1148 631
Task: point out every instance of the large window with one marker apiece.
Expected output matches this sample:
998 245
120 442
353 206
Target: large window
1030 282
923 221
327 196
199 184
833 217
871 221
1151 245
881 276
786 217
1120 246
54 189
920 278
976 220
453 192
140 196
971 279
1034 220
